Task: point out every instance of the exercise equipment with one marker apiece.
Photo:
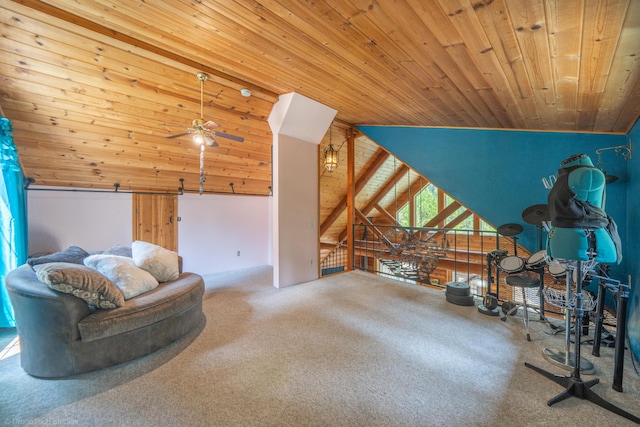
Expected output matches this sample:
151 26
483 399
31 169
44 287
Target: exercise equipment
459 293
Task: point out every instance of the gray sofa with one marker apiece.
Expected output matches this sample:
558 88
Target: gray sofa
61 335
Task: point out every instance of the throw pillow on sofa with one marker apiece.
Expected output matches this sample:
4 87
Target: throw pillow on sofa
121 250
73 254
122 271
160 262
82 282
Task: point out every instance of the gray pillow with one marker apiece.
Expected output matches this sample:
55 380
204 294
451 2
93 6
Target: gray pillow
82 282
122 271
73 255
120 250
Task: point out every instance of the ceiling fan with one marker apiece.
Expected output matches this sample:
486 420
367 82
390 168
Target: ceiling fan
204 132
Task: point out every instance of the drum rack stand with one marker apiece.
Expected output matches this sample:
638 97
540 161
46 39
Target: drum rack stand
622 292
575 386
489 306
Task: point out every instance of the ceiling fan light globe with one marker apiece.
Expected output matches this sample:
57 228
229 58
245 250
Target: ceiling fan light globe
198 139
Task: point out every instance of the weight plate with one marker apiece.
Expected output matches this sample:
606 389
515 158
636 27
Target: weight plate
459 300
458 288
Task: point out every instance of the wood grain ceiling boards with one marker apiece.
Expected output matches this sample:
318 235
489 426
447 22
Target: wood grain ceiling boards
94 87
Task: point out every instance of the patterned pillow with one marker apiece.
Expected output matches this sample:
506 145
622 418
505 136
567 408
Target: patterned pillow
73 254
160 262
122 271
80 281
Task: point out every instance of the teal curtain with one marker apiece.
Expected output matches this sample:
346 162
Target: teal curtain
13 218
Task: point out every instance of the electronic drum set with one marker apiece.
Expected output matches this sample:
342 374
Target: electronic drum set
535 264
526 268
574 304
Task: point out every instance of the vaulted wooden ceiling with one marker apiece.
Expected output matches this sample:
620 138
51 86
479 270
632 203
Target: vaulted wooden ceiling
93 88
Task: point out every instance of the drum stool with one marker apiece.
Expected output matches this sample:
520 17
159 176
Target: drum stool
521 281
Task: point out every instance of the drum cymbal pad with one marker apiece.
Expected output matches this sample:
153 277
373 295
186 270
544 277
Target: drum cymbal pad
536 214
509 230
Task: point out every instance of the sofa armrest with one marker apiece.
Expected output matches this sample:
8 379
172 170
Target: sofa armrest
47 321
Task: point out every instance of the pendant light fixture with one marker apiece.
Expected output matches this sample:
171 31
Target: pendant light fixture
330 155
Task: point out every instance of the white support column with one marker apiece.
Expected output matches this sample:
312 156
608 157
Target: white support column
298 125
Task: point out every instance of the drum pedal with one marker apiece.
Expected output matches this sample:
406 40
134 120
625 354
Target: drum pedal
489 312
490 305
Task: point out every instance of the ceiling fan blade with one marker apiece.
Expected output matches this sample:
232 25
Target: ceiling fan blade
228 136
178 135
202 131
210 124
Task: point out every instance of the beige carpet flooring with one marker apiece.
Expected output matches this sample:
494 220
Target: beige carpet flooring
352 349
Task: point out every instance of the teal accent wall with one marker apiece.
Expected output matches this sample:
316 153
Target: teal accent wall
632 241
498 174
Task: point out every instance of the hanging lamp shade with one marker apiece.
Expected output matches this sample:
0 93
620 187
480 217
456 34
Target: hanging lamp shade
330 158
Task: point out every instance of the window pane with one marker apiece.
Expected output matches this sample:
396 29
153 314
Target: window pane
426 205
403 216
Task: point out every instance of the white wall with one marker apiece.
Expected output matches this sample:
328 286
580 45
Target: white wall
296 207
298 125
213 228
93 221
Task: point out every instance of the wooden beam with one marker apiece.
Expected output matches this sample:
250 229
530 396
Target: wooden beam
381 157
457 220
375 229
380 194
443 214
385 213
351 196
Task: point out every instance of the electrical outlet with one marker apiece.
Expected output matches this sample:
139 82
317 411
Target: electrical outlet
238 253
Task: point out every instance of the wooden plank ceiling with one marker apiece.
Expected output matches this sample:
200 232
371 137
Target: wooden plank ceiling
93 88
